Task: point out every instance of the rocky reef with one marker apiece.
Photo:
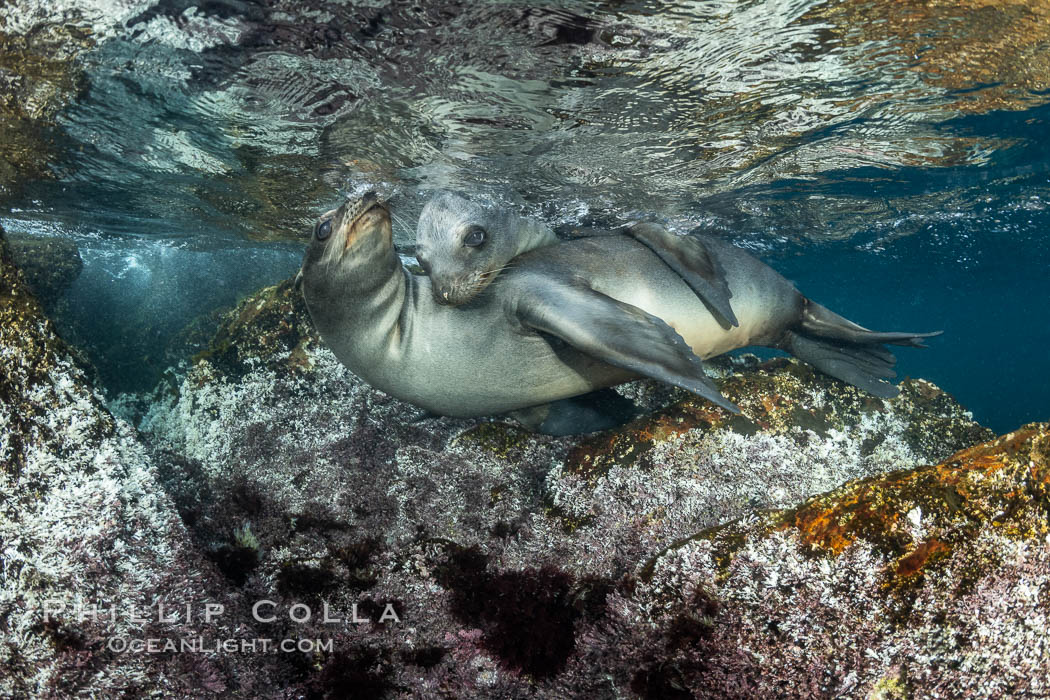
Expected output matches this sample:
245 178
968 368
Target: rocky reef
49 265
824 543
90 543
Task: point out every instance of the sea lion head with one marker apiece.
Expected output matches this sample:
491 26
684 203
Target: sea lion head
351 251
464 246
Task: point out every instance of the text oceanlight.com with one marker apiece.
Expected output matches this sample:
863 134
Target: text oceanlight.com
199 645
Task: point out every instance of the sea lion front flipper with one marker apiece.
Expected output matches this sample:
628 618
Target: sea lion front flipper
617 333
691 259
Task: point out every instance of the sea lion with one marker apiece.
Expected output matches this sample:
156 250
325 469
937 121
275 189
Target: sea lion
566 319
462 246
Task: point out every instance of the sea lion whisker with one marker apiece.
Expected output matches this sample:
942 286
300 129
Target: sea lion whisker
496 271
401 221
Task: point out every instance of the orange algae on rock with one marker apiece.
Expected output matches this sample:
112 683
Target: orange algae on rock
913 562
991 483
781 397
933 577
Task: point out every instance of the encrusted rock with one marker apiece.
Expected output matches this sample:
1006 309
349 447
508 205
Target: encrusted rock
272 323
924 582
86 529
516 564
49 264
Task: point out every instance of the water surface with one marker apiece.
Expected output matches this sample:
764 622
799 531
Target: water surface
890 157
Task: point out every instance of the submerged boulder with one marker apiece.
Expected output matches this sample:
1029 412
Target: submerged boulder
49 264
923 582
474 558
90 544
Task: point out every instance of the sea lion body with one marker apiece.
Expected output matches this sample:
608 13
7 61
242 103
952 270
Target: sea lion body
450 361
627 270
610 305
478 360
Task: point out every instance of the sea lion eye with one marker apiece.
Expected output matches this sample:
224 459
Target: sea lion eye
475 237
324 229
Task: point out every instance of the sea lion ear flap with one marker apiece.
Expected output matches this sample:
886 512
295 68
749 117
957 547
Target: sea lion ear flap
616 333
690 257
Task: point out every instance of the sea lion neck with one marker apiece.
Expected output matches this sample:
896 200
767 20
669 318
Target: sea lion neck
354 276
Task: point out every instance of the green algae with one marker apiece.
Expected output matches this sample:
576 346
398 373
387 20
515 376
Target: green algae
273 325
501 439
782 397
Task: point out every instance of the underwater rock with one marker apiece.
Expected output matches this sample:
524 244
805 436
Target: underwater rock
920 582
269 324
49 264
39 74
85 529
510 559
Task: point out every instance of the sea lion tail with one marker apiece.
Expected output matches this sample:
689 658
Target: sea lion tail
846 351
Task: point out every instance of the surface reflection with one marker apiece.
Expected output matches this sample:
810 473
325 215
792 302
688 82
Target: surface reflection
252 118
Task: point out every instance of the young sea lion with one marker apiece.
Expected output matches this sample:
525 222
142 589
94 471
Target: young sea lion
567 319
462 246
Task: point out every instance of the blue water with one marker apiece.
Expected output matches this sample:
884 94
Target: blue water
892 159
992 309
131 306
979 269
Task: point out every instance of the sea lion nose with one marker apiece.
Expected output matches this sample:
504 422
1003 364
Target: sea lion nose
442 297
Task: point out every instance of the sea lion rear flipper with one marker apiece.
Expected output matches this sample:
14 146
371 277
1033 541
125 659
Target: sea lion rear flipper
691 259
822 322
617 333
865 367
839 347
